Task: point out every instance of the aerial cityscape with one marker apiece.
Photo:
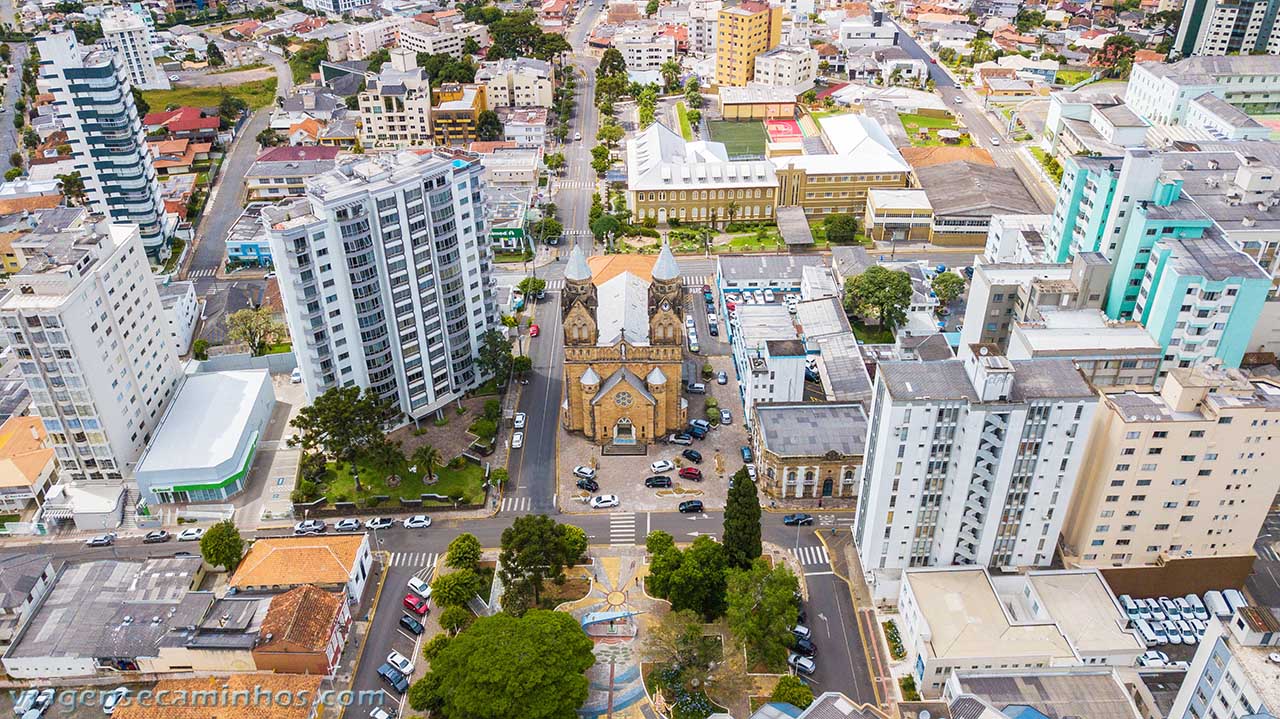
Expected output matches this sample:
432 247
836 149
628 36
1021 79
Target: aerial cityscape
649 359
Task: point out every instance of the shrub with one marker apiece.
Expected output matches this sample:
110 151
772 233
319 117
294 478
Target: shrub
891 635
711 405
908 686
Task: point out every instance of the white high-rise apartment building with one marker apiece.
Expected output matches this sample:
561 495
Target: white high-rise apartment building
93 97
334 8
92 341
129 35
384 270
969 462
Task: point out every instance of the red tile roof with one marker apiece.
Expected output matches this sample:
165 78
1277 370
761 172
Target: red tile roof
182 119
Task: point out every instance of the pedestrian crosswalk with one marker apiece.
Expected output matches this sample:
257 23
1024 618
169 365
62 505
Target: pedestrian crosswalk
622 528
1266 552
576 184
810 556
555 285
697 280
203 272
417 560
516 504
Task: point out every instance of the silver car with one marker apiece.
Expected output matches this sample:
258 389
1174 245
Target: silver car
726 417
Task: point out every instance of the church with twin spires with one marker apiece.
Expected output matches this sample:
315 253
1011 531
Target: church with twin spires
623 318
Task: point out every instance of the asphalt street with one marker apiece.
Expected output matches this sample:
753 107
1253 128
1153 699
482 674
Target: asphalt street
1264 584
10 137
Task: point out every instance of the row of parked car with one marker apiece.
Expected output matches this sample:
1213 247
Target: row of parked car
1178 620
398 668
803 650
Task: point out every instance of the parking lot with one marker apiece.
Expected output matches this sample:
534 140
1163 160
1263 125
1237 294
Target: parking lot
624 475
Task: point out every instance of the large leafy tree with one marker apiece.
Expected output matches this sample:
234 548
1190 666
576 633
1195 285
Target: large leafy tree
494 354
342 422
536 548
670 72
791 690
841 228
679 641
762 610
505 666
222 546
742 522
947 286
881 292
464 552
692 579
488 126
256 328
455 589
612 64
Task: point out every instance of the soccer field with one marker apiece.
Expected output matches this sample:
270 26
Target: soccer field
741 137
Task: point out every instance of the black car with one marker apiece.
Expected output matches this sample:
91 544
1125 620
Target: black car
658 481
692 506
801 615
413 625
158 536
589 484
392 676
805 648
695 431
796 520
692 455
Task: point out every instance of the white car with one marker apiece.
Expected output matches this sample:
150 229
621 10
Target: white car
959 100
1153 658
577 136
401 663
751 472
309 526
520 420
112 699
379 713
584 472
191 535
995 142
295 377
174 78
803 665
662 465
379 523
417 521
768 296
347 525
517 440
604 501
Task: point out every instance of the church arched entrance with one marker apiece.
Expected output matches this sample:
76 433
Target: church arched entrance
624 432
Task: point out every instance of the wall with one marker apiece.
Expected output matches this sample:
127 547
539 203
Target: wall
1176 577
277 364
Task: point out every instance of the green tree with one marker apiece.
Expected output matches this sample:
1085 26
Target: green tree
455 589
546 229
426 458
605 227
535 548
693 93
612 64
679 641
601 164
499 476
651 7
306 60
269 138
15 159
809 97
231 107
455 619
470 46
200 349
670 72
435 646
692 579
464 552
488 126
256 328
522 365
762 609
554 161
881 292
645 114
610 133
214 55
494 354
342 422
532 285
222 545
472 676
742 521
841 228
695 117
790 689
947 286
1027 19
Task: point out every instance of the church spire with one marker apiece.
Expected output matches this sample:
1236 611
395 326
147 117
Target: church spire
666 269
577 269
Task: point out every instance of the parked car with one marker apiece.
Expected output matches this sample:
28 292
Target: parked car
662 465
417 521
746 454
658 482
347 525
681 438
400 662
157 536
692 455
419 586
701 424
696 432
102 540
696 388
414 603
751 472
412 625
584 471
692 506
805 648
519 420
309 526
803 665
800 631
722 378
534 331
797 520
295 377
589 484
392 676
691 473
604 501
191 535
517 440
379 523
726 417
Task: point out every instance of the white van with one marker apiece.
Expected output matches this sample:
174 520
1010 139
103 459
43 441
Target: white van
1234 598
1157 631
1145 633
1216 604
419 587
1130 607
1197 608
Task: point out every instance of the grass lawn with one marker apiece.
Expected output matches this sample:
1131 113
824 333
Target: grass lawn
258 94
509 257
871 335
1071 77
914 124
1048 162
487 389
820 114
6 518
238 68
740 137
175 249
465 481
280 349
686 130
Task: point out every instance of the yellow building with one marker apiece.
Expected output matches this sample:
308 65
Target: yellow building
1182 472
10 260
744 31
623 347
455 116
799 455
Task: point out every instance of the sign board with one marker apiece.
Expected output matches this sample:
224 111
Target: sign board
507 233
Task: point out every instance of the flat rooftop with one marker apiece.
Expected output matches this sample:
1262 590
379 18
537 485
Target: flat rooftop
1074 331
1095 695
762 323
966 619
1083 606
804 429
763 269
204 424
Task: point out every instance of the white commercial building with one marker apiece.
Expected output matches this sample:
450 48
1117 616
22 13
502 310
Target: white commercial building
866 31
181 310
130 36
420 37
969 462
525 126
385 276
789 66
519 82
95 106
1235 673
768 355
963 619
205 443
364 39
334 8
703 18
644 46
1162 93
93 344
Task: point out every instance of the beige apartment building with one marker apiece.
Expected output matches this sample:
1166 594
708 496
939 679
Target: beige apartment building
395 108
744 31
1182 472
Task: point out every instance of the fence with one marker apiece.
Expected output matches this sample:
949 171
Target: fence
276 364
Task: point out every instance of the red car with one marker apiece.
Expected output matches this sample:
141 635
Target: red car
691 473
415 604
533 330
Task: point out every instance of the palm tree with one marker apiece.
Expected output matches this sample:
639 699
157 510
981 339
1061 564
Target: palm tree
670 72
730 212
428 456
